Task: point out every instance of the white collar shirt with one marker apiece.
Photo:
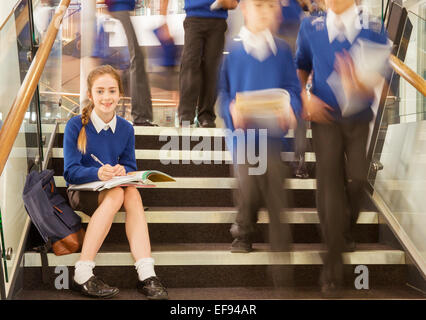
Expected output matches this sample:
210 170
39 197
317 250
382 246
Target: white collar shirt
343 26
99 124
259 45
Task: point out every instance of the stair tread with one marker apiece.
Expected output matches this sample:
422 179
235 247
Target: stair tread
233 293
228 214
118 254
108 247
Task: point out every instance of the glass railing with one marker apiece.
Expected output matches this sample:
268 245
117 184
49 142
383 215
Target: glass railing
15 56
398 171
55 75
60 91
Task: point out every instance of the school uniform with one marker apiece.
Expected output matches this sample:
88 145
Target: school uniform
340 147
259 62
203 49
139 83
112 143
292 15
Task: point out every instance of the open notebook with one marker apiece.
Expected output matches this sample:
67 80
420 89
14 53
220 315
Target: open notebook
138 178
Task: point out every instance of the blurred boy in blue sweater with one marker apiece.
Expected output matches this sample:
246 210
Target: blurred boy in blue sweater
205 26
346 51
139 84
259 61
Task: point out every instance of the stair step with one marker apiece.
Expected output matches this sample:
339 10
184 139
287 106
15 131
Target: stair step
234 293
227 215
215 157
213 183
178 169
167 131
178 142
219 254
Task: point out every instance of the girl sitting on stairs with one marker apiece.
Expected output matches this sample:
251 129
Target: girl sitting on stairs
99 132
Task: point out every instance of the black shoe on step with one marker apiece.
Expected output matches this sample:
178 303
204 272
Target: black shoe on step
301 171
95 288
330 290
207 124
241 246
153 289
145 123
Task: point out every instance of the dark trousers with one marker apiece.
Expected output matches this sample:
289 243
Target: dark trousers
139 84
300 140
341 172
202 53
257 191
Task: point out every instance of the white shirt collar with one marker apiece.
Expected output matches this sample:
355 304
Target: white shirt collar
259 45
99 124
350 20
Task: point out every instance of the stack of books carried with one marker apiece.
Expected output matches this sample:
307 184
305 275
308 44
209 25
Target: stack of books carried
261 107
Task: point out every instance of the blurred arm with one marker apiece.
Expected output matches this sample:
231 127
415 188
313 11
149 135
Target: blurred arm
228 4
163 7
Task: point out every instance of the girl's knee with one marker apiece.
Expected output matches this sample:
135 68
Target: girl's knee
131 192
132 197
116 195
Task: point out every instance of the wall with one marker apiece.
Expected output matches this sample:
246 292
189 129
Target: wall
6 8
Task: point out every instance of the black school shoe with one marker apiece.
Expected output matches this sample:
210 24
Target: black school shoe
240 245
95 288
331 290
153 289
208 124
145 123
300 169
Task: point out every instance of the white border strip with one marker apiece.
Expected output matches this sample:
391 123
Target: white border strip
220 257
213 183
293 216
180 155
173 131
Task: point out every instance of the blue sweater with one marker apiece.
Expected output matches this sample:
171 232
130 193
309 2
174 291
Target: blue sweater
120 5
110 148
242 72
292 13
316 53
201 9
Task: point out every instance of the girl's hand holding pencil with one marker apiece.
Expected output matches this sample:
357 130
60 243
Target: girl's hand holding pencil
107 172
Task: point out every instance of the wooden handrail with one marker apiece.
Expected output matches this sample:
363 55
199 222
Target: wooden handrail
13 121
8 16
404 71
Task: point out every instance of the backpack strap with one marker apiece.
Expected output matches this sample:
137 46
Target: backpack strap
43 250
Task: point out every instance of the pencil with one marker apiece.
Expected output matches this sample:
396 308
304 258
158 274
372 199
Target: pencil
96 159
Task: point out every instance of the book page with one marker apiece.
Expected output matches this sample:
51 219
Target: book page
90 186
152 175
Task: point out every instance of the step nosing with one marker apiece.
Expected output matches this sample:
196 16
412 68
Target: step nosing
214 183
214 156
228 216
222 257
174 131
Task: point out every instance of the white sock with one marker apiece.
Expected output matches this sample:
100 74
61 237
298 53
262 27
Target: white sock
145 268
83 271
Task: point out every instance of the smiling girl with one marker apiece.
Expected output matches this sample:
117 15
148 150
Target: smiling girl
101 133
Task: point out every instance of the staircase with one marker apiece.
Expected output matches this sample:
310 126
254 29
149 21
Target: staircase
189 224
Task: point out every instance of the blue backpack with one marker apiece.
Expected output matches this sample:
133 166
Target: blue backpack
59 226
